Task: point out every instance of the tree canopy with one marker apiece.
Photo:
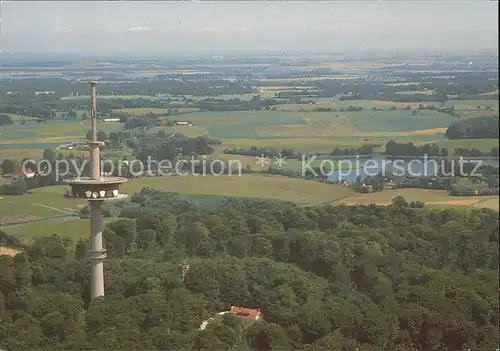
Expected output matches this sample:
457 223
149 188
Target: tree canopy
474 128
325 278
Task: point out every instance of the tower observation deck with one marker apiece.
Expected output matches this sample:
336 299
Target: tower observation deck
96 189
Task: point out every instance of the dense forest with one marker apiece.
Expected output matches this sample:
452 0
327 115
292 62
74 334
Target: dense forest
325 278
474 128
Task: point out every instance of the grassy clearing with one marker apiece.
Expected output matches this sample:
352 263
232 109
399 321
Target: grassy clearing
327 144
72 228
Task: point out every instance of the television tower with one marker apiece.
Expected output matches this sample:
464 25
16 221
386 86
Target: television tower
96 189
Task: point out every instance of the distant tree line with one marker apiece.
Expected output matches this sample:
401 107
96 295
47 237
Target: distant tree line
474 128
5 120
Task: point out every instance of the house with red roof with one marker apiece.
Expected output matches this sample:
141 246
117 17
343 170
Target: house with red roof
22 172
243 312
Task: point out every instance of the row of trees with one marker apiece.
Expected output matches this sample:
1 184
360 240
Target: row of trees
474 128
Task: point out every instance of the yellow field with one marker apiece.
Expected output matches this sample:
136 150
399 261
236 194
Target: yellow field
432 131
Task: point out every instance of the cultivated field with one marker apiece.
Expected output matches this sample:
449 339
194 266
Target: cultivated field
306 124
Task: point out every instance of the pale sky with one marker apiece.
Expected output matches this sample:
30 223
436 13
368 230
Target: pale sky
135 27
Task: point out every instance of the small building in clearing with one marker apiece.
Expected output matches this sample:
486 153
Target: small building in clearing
243 312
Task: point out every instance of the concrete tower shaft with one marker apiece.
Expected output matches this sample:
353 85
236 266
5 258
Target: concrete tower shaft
96 190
